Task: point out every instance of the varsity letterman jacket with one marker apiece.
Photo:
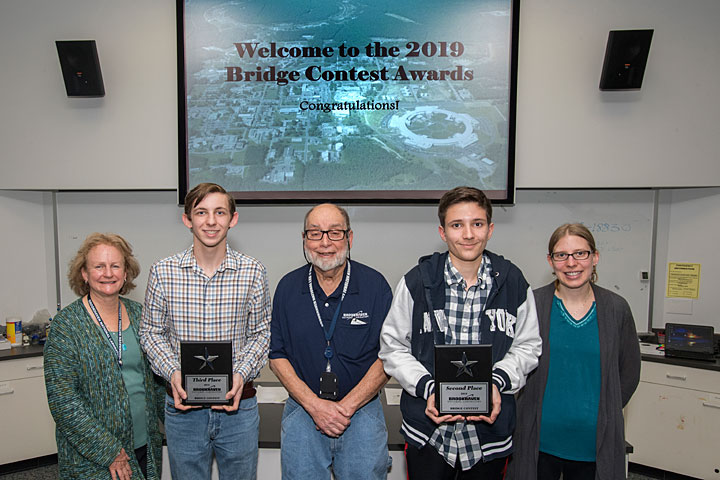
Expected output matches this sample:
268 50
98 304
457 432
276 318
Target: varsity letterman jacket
509 323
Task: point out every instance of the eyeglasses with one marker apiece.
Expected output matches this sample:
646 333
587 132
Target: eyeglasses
562 256
333 235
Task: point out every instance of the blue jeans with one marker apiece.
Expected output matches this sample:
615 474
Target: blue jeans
359 453
193 436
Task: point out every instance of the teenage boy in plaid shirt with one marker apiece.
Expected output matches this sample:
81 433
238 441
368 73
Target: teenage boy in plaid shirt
466 295
209 292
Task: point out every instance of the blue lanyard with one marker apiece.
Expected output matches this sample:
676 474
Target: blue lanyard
118 347
328 334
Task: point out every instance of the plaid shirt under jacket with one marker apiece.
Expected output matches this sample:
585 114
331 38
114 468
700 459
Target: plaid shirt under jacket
459 440
182 303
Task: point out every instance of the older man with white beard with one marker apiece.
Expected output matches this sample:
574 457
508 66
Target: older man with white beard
324 347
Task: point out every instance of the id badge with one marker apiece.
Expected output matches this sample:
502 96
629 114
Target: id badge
328 386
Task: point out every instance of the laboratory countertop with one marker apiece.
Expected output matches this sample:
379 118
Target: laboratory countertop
685 362
650 353
656 356
21 352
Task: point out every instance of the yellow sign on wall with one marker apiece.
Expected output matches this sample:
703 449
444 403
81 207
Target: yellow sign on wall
683 280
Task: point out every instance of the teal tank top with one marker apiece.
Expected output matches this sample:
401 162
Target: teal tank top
133 375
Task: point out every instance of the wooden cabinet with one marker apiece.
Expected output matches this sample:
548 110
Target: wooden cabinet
673 420
28 430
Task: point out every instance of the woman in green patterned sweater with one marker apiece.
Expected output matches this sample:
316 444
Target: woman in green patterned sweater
102 394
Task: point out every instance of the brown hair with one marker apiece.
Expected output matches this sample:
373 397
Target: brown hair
462 195
202 190
578 230
77 264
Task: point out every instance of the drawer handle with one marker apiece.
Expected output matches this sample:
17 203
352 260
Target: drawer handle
7 392
676 377
711 405
34 367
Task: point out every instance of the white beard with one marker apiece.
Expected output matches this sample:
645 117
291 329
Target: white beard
327 264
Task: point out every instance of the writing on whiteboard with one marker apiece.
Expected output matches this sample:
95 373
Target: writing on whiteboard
606 247
600 227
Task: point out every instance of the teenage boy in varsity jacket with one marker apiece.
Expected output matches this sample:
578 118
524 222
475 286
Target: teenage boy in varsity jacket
466 295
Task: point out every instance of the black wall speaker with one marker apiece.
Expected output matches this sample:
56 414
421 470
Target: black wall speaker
625 59
80 68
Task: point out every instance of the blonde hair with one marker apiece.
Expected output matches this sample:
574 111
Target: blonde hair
79 261
578 230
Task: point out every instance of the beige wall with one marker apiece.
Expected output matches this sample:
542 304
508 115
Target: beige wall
664 135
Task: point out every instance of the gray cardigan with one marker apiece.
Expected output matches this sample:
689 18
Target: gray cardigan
620 374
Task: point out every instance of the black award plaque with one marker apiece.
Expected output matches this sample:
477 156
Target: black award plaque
206 369
463 379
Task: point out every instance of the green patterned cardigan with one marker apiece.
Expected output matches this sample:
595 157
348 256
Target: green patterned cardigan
88 400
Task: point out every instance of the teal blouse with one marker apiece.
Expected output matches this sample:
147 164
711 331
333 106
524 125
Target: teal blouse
572 392
89 401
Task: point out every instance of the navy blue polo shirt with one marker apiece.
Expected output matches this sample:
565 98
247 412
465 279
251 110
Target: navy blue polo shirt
298 336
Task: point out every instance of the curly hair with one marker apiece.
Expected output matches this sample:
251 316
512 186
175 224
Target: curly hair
77 264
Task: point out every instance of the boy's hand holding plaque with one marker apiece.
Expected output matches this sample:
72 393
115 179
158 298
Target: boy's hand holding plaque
206 369
463 379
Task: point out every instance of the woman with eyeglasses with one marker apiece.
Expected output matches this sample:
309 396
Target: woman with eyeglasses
569 415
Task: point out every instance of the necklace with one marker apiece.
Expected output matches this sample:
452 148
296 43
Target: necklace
569 318
577 309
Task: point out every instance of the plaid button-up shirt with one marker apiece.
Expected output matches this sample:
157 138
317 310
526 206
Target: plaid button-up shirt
182 303
459 440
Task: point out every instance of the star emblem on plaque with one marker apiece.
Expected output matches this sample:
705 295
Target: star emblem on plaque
463 376
206 371
207 360
464 365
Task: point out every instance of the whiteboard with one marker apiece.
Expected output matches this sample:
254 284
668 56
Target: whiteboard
388 238
620 220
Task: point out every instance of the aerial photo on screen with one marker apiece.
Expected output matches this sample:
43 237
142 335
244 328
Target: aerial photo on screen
347 95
